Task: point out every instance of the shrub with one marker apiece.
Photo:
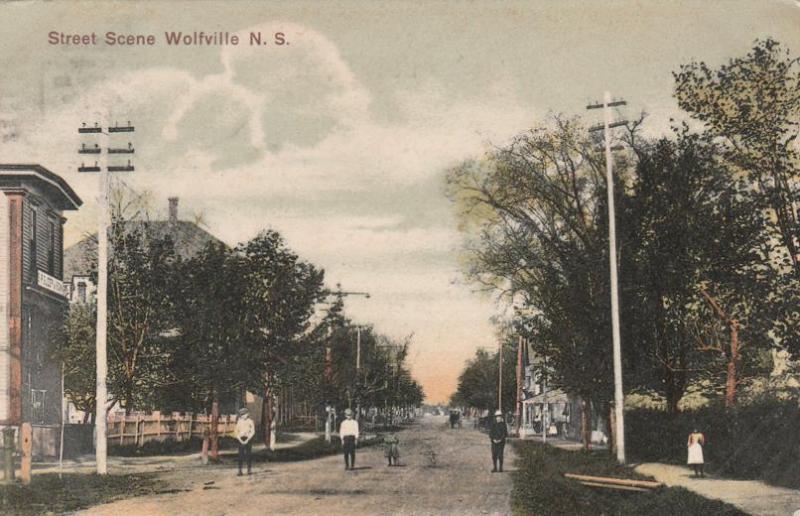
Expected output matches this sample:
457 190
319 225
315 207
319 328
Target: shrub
167 447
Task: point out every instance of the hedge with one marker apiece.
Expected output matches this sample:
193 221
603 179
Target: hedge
541 488
756 441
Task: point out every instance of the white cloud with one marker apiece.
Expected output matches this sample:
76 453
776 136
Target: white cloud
281 123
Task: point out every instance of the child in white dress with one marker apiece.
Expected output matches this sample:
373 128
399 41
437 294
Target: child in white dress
695 449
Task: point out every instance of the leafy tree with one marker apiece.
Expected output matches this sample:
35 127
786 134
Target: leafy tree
280 292
534 216
686 228
141 275
751 106
77 353
478 382
206 363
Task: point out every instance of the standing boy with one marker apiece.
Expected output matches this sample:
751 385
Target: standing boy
245 429
348 433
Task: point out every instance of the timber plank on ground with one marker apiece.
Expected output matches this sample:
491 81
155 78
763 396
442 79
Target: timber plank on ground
642 484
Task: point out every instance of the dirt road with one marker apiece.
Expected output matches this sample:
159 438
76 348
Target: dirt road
442 472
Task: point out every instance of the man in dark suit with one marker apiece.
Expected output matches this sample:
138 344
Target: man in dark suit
498 434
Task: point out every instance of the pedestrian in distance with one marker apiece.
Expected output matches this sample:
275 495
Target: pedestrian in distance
245 429
348 433
498 432
391 449
695 452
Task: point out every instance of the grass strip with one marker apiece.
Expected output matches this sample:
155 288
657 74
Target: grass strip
540 488
47 493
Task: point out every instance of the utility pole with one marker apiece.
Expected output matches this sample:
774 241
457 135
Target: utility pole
619 431
518 405
358 372
102 166
545 408
330 411
500 377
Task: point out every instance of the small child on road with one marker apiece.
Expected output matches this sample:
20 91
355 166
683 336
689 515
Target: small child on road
391 449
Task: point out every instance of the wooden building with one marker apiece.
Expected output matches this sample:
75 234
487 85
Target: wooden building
32 298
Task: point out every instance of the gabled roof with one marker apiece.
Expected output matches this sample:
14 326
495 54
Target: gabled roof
61 193
188 237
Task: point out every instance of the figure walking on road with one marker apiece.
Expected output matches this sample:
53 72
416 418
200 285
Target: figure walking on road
391 449
245 429
695 452
498 434
348 433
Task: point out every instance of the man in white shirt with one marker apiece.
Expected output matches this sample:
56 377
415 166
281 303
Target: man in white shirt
348 433
245 429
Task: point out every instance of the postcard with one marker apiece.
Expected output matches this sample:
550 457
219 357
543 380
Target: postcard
399 257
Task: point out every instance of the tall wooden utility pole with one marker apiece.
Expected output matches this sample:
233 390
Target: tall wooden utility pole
545 408
500 377
330 411
102 167
619 431
358 372
518 405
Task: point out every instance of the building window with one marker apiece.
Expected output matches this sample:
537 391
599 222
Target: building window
38 405
51 250
34 265
82 292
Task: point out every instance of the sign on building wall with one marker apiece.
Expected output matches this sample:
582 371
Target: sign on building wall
52 284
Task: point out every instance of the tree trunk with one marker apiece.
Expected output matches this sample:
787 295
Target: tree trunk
128 401
266 416
612 429
671 393
733 363
586 423
215 430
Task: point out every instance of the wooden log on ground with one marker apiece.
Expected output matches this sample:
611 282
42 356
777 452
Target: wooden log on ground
646 484
615 486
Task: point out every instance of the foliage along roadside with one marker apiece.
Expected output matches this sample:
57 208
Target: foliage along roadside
756 441
47 493
707 234
540 488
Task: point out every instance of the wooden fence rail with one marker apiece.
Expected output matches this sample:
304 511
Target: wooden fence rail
137 429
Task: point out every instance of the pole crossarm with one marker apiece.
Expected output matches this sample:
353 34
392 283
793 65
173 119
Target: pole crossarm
613 103
602 127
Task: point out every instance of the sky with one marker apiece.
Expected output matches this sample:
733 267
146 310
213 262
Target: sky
340 139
